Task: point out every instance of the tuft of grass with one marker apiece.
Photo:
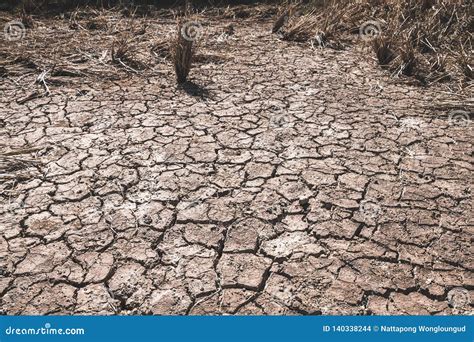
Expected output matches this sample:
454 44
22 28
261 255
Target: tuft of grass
125 53
281 20
302 28
161 49
437 70
183 51
121 49
98 23
26 19
315 25
409 62
429 40
383 50
467 66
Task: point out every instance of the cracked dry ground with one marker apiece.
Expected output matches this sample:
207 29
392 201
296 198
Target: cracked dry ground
302 182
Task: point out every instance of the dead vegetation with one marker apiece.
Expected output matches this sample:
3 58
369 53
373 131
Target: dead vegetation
124 52
283 18
301 28
162 48
78 49
183 50
383 50
247 12
15 166
26 20
430 41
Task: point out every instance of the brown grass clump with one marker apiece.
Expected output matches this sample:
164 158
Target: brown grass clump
26 19
99 23
302 28
121 49
255 11
161 49
125 54
183 50
467 65
408 61
428 38
425 39
282 19
317 24
19 164
383 50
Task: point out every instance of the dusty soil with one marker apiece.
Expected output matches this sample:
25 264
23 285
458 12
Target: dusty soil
284 180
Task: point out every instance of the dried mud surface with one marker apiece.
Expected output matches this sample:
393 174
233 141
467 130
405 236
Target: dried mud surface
286 181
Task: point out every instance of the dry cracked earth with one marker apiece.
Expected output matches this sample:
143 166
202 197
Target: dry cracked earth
286 180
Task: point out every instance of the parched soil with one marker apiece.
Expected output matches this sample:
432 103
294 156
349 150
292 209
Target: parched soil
282 180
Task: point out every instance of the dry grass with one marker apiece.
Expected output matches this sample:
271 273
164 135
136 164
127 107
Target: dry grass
122 49
466 64
322 23
119 47
183 51
283 18
14 166
98 23
301 28
125 50
247 12
162 49
383 50
430 40
27 20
